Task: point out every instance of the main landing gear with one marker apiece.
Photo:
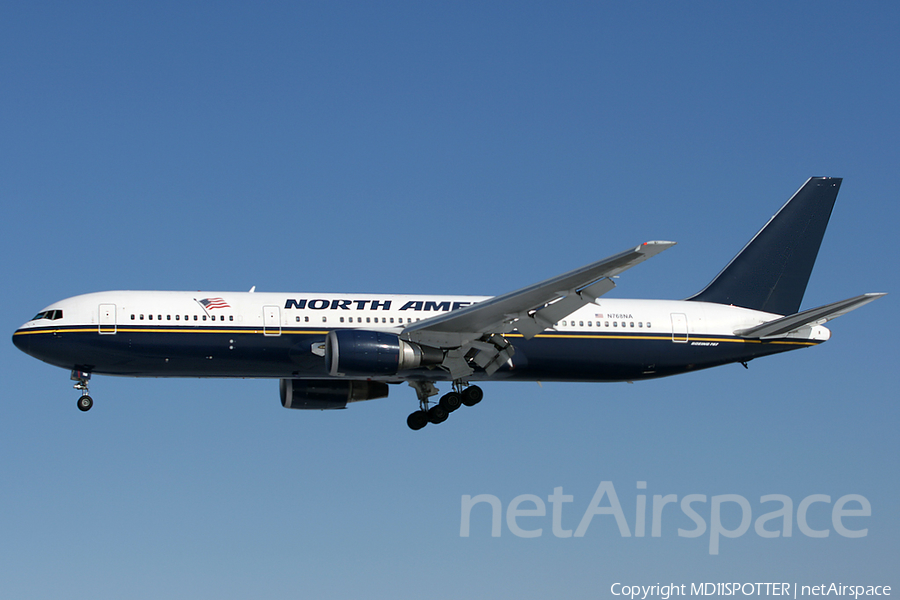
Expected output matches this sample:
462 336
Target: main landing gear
449 402
81 379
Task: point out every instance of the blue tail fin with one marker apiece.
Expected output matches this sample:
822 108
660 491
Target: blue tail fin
771 272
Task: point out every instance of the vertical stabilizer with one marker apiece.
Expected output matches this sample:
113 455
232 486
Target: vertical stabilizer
771 272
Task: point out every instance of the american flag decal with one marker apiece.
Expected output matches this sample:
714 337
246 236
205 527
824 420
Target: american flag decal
212 303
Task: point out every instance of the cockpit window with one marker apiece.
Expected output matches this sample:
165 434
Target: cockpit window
53 315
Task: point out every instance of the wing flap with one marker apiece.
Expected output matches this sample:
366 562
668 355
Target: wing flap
531 324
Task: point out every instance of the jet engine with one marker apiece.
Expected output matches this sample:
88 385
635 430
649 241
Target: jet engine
324 394
369 353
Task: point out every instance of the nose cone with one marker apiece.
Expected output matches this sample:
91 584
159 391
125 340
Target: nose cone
20 339
41 344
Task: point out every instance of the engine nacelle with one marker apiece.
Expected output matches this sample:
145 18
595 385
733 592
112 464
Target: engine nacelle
369 353
324 394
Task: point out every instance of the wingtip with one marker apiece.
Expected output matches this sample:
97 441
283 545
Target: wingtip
658 243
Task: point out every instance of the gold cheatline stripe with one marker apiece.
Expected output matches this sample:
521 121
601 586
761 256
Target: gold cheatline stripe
111 328
287 331
668 337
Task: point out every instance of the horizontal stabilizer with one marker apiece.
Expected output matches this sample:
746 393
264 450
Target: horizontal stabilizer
814 316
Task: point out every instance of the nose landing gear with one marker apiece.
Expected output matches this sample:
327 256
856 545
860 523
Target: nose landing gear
85 403
81 379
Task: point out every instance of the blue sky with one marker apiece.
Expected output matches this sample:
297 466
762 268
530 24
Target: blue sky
437 148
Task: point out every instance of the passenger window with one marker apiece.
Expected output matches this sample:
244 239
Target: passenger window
195 318
231 317
204 317
306 319
177 317
324 319
132 317
342 319
368 319
150 317
648 324
142 317
581 323
168 317
606 324
631 324
640 324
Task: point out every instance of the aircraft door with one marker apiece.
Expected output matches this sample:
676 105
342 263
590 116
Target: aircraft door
107 320
679 328
271 320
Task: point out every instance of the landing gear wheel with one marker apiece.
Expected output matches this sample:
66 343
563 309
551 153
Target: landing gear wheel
85 403
417 420
451 401
472 395
437 414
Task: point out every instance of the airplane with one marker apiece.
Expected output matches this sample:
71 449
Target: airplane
329 350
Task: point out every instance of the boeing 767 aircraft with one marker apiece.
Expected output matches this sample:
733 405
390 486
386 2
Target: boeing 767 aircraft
328 350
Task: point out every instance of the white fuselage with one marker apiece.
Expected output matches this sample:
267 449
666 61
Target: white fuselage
242 334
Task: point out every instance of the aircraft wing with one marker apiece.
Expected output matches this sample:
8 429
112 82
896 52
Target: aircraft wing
814 316
530 310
